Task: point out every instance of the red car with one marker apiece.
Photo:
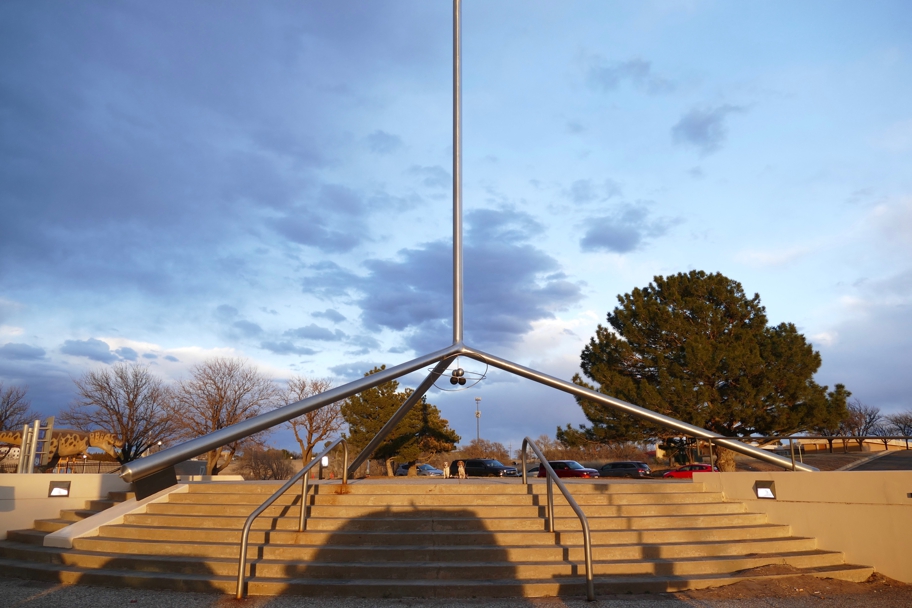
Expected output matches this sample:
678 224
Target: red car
688 470
569 468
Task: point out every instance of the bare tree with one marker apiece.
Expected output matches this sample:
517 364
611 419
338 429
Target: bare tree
15 411
220 393
127 400
256 463
482 448
883 430
901 424
319 425
863 420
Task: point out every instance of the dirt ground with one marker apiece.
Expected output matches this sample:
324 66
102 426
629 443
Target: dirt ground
785 592
790 585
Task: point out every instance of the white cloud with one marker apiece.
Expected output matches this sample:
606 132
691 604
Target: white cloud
825 338
10 330
775 257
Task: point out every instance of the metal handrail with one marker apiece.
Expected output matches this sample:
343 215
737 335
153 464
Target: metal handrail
302 474
552 479
792 438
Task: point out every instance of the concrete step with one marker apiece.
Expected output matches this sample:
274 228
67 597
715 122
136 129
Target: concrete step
74 515
609 545
51 525
483 512
484 563
454 487
121 496
462 499
29 537
429 588
561 586
407 529
460 522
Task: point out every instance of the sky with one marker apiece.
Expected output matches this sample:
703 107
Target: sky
273 181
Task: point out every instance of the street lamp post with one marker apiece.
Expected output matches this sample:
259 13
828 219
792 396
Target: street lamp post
477 420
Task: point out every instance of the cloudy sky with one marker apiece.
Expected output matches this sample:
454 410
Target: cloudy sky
272 180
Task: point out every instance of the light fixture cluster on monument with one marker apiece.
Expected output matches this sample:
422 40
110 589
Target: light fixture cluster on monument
460 379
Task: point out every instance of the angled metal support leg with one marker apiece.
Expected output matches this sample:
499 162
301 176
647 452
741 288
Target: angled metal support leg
404 409
730 443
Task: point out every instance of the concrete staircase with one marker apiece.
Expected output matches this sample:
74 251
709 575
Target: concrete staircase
424 538
43 527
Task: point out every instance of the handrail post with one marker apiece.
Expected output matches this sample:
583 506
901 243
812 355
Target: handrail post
552 479
712 462
345 463
792 451
523 455
551 506
304 473
305 482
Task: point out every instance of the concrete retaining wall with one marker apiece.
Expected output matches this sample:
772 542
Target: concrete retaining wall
866 515
24 498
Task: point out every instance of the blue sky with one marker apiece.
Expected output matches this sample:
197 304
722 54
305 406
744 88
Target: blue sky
181 180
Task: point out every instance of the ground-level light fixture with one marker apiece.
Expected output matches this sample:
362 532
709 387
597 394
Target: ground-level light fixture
59 489
765 489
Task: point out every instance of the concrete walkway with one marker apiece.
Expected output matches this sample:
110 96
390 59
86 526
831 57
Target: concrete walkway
900 460
17 593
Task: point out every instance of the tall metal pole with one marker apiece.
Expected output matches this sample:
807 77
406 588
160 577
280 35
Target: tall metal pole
457 172
477 419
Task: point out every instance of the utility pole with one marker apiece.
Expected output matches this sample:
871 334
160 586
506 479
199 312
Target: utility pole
477 420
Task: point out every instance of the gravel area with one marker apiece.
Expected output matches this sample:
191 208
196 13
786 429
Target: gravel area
795 592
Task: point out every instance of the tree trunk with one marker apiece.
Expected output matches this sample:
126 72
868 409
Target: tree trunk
389 467
725 459
212 462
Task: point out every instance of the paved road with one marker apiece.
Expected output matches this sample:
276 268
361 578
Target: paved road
894 461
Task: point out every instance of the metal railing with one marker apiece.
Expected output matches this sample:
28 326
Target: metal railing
552 479
793 439
303 474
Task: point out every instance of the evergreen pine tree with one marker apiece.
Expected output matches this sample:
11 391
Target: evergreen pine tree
695 347
420 434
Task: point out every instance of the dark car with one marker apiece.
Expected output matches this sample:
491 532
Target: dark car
688 470
632 469
569 468
483 467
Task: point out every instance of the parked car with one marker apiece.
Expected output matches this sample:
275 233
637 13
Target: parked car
534 470
422 470
632 469
688 470
569 468
426 470
483 467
